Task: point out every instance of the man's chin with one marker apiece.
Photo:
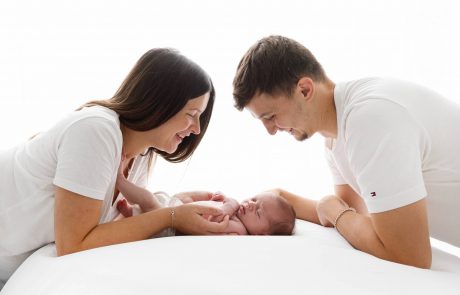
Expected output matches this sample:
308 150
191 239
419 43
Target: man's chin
302 137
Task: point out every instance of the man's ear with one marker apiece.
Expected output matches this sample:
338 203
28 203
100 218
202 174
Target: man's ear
306 86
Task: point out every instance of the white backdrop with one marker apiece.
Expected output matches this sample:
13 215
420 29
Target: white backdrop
56 55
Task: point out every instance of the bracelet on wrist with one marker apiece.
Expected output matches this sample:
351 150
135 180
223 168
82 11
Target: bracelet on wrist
336 220
173 216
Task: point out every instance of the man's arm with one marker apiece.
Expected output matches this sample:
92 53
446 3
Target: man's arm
304 208
400 235
349 196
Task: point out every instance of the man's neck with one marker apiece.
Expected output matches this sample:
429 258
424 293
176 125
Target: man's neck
329 121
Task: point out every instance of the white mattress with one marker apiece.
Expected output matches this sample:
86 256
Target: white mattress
316 260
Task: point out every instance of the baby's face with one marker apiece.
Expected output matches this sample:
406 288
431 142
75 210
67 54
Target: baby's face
256 213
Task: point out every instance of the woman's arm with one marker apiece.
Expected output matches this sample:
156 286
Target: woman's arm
77 229
235 227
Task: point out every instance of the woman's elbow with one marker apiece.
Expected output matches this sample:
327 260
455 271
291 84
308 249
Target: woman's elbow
62 250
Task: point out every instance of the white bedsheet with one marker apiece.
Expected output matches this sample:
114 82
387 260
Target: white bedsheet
314 261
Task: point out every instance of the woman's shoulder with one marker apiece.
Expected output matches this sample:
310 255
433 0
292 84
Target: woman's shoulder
100 112
91 119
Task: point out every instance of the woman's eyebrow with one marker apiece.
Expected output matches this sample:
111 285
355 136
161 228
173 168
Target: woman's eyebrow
198 110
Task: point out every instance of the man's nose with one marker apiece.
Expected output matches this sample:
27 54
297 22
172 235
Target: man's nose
271 127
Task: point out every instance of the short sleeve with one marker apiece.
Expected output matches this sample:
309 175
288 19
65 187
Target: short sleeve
337 177
384 145
88 157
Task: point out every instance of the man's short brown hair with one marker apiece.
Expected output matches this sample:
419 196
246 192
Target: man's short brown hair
273 65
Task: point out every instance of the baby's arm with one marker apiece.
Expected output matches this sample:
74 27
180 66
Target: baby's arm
229 207
194 196
137 195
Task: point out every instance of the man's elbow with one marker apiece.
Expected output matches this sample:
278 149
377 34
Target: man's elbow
422 260
423 263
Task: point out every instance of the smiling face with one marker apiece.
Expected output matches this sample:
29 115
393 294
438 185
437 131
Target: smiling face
295 113
170 134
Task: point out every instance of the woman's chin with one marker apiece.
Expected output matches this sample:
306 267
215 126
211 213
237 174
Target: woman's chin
171 149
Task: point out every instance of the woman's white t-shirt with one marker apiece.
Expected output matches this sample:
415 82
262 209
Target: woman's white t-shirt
81 153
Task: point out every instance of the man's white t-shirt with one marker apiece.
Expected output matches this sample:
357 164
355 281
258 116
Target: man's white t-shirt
398 143
81 153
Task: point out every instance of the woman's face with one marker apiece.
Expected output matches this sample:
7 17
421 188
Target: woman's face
170 134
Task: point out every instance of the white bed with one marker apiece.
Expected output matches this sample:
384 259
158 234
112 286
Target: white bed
314 261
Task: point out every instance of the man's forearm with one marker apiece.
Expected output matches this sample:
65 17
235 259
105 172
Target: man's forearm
357 229
304 208
399 235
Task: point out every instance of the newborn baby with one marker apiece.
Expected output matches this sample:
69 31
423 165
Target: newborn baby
263 214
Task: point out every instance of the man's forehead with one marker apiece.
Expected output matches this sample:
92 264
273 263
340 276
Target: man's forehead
260 105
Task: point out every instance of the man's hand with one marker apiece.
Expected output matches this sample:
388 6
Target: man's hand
327 209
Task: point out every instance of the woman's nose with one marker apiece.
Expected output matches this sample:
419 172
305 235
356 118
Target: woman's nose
195 128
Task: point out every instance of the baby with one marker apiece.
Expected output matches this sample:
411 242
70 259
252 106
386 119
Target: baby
264 214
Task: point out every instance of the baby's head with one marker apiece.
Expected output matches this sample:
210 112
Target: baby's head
267 214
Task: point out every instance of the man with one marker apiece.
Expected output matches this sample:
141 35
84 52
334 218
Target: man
393 148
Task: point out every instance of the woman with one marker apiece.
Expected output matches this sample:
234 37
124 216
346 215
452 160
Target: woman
60 185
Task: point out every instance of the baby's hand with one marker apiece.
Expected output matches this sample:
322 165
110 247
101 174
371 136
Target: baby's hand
124 208
217 197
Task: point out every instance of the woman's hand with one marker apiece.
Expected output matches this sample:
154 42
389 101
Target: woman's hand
327 209
188 219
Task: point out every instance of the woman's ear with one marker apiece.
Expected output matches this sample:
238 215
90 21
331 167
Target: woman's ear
306 86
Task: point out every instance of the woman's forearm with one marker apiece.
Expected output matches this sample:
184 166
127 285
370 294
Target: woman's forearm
130 229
